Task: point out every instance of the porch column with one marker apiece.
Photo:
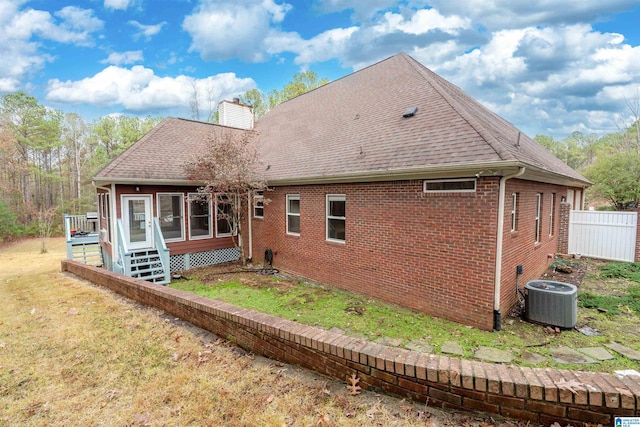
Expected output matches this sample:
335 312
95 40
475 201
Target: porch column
563 228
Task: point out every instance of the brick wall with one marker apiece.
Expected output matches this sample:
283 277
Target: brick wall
563 231
520 246
434 253
538 395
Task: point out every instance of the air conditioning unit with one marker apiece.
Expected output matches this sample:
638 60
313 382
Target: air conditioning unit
551 303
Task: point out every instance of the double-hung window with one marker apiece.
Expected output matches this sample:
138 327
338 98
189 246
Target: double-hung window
538 216
225 224
199 216
171 216
336 217
293 214
258 204
514 211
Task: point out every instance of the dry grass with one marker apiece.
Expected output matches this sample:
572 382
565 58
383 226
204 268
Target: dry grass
75 354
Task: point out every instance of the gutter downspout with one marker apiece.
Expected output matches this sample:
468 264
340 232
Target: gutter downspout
497 316
250 238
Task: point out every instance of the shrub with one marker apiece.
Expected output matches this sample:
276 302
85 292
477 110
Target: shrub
9 226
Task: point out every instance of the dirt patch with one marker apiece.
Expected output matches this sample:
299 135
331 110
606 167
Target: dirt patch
570 270
252 276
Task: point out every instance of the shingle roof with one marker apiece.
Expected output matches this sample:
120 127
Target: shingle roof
354 127
323 132
159 155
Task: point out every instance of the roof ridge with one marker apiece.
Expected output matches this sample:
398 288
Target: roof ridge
434 80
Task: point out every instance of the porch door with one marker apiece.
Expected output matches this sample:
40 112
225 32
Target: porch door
136 218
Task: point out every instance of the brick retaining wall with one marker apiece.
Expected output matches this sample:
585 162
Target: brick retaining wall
541 396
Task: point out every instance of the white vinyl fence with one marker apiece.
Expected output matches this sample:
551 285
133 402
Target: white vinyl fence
605 235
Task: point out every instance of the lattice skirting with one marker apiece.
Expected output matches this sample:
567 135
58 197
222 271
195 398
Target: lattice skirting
202 259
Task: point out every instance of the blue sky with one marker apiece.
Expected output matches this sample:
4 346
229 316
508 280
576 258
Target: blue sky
549 67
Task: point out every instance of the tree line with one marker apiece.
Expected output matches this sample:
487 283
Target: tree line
47 159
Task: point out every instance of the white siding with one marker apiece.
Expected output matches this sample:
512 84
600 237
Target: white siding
605 235
235 115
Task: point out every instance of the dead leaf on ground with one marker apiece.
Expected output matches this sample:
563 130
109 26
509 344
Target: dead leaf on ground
202 358
371 413
323 420
142 419
354 388
424 416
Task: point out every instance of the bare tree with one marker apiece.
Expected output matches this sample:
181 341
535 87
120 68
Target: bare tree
230 169
633 104
631 131
193 102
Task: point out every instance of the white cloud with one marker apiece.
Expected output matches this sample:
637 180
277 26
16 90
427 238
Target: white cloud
124 58
8 84
21 54
139 89
552 79
117 4
503 14
421 22
146 31
222 30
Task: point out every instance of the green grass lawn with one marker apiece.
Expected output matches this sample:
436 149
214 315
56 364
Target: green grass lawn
367 318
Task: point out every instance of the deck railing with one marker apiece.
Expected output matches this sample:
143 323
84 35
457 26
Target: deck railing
82 243
163 250
125 257
87 223
122 262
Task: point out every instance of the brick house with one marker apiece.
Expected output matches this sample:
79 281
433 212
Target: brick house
390 182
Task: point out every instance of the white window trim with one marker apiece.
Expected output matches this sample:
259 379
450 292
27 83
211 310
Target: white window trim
514 212
551 214
288 213
538 217
427 181
335 197
233 228
258 197
182 231
103 214
108 215
189 199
